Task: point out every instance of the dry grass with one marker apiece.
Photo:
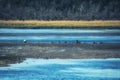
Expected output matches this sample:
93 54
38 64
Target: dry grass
37 23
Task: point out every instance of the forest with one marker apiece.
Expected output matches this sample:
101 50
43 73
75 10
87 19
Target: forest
59 9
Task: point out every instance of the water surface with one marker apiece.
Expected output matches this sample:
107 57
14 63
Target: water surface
63 69
60 35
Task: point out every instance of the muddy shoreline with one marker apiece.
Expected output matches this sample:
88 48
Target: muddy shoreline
16 52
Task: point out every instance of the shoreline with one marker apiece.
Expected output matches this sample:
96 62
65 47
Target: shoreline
60 27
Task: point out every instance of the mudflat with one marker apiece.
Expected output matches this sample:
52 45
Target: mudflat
16 52
61 50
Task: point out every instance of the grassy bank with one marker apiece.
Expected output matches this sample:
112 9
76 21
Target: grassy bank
59 24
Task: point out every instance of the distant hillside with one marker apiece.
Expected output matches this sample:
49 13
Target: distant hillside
60 9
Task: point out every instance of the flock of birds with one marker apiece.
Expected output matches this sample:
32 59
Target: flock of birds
76 41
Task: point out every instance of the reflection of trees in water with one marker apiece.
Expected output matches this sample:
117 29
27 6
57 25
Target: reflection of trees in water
6 60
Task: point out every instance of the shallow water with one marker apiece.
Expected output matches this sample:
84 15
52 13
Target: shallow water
60 35
63 69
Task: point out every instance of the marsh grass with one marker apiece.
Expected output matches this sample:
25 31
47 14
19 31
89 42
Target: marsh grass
63 23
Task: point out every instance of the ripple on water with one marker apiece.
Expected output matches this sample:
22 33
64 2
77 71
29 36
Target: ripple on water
62 69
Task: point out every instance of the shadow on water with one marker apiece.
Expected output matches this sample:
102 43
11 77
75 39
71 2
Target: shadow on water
10 59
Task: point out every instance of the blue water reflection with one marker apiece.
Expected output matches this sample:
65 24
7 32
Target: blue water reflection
63 69
60 35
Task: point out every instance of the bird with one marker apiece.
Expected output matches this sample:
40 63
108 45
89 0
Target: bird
24 41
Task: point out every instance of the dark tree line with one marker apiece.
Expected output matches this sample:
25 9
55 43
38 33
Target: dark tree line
60 9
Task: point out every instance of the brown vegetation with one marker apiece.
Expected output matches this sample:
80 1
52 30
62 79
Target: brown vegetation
36 23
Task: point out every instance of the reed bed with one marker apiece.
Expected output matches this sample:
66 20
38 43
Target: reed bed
63 23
